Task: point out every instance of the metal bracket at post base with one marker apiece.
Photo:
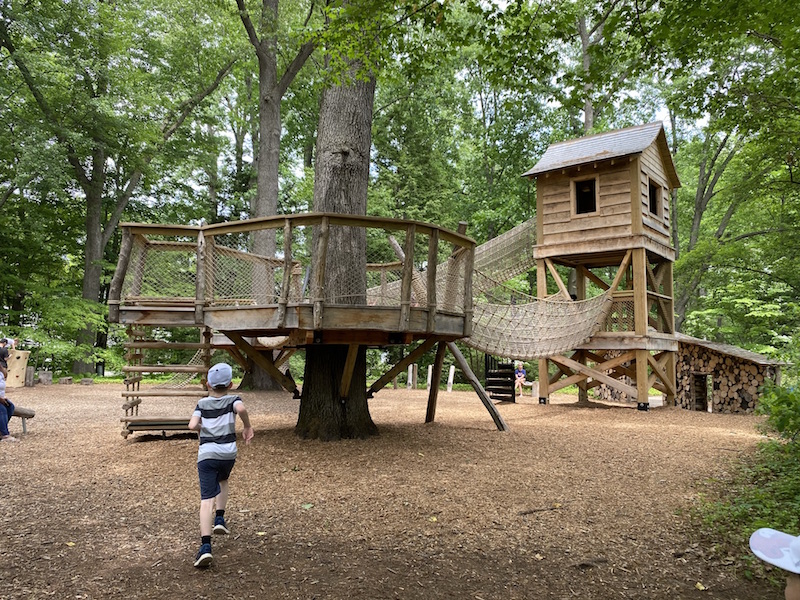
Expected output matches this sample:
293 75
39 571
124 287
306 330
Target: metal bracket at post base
643 406
542 400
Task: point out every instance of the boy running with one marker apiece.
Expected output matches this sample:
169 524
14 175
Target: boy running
215 419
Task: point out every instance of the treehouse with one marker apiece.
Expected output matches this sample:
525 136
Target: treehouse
603 217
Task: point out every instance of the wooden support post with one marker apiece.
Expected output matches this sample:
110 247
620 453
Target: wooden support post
476 385
399 367
433 380
349 366
263 362
541 292
450 376
207 337
671 366
642 380
640 311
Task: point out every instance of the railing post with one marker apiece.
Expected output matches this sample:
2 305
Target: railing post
469 263
433 257
287 272
119 275
318 290
408 274
200 279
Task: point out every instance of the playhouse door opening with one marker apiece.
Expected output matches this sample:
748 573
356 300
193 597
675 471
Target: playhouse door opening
702 392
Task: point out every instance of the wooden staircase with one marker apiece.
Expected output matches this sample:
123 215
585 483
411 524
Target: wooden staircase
140 340
499 380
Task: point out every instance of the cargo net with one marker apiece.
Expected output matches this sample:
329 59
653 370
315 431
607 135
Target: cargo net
525 327
181 380
161 269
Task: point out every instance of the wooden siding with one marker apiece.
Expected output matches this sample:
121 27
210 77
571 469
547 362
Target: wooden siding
652 170
559 222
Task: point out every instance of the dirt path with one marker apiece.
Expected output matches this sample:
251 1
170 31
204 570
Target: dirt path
571 503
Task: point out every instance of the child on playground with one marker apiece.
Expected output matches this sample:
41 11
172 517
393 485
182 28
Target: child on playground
519 378
6 410
782 550
215 419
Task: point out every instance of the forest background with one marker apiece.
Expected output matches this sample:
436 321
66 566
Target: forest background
176 111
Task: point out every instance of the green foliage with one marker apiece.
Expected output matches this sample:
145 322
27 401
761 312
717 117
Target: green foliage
763 491
781 404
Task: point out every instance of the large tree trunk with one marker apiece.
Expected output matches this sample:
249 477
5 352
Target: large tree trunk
340 185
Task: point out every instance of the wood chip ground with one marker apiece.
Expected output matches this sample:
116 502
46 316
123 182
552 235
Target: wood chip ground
573 502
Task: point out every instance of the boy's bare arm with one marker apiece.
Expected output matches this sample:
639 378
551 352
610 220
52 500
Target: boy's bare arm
248 432
194 423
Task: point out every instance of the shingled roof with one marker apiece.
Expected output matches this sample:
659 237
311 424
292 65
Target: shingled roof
605 146
734 351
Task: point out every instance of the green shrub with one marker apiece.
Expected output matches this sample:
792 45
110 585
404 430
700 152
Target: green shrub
782 407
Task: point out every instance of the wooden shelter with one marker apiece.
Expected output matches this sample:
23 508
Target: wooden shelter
714 377
603 221
717 377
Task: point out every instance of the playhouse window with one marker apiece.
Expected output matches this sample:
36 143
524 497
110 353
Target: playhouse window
655 197
585 196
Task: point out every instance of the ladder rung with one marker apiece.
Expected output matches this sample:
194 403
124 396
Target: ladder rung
164 392
164 369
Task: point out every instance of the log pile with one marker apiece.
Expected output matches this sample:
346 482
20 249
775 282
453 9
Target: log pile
731 384
736 382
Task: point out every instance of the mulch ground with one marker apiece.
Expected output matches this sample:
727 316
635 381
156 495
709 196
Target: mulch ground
573 502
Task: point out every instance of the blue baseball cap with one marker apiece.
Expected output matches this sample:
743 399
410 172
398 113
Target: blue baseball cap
220 375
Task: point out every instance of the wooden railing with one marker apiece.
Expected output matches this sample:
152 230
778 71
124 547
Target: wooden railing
444 284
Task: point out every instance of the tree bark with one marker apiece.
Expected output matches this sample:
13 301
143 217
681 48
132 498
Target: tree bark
340 185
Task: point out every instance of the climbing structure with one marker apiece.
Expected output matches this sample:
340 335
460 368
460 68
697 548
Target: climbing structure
602 223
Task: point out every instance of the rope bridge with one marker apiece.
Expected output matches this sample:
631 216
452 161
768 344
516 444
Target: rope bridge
512 324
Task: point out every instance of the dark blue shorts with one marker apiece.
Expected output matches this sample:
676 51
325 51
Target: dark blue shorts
211 472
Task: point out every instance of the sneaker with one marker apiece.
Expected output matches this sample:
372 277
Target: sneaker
219 526
204 556
9 438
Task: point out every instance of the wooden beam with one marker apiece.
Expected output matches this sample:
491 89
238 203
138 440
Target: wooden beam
557 276
263 362
436 377
606 365
421 349
623 268
594 278
660 366
476 385
408 276
347 372
594 374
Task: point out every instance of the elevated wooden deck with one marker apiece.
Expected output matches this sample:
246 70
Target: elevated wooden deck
406 297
